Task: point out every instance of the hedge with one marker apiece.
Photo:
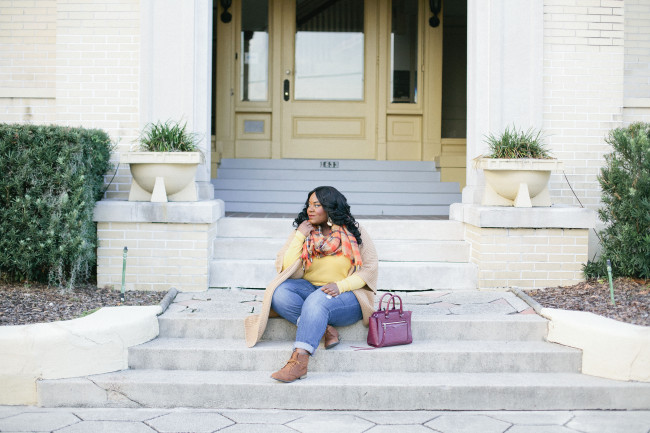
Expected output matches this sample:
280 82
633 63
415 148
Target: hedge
51 177
625 184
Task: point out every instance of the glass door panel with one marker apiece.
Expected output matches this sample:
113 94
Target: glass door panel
404 51
254 73
329 50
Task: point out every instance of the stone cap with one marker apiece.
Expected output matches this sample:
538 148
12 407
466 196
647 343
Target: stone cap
196 212
556 216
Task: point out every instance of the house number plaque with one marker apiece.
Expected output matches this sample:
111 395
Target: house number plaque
329 164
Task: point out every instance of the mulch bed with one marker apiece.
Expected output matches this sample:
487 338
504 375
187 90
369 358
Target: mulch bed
27 303
22 304
632 299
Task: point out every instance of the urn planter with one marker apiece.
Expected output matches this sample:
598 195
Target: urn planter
521 182
162 176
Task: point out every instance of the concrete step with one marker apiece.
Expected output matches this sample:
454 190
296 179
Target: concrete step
378 229
357 210
316 164
404 276
347 187
442 327
368 390
355 199
372 187
421 356
324 175
387 250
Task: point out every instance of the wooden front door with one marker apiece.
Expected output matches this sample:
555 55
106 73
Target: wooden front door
328 79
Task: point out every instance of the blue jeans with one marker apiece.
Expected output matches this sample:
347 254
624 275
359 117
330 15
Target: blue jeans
305 305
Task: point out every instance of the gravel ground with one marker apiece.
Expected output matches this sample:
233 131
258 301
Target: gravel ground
22 304
632 298
33 303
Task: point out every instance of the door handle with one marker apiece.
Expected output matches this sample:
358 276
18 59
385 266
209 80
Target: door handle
286 90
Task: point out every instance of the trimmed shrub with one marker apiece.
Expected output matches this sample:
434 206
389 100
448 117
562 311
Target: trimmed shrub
625 184
50 179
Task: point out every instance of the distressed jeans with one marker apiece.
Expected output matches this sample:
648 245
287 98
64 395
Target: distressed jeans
305 305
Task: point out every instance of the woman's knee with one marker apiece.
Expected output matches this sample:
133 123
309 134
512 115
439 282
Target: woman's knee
316 303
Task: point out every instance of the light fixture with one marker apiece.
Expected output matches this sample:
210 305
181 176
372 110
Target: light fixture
226 16
435 6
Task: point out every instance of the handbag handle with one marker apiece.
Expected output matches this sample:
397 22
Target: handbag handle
392 298
387 303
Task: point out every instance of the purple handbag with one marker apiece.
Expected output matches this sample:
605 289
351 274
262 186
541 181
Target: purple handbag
390 327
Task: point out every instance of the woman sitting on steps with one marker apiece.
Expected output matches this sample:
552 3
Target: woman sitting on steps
327 277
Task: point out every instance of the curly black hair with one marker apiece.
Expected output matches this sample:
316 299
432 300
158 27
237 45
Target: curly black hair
337 208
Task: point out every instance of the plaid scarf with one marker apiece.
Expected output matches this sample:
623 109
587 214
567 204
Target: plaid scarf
339 242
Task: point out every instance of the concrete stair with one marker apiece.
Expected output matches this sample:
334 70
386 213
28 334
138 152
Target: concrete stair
494 357
371 187
413 254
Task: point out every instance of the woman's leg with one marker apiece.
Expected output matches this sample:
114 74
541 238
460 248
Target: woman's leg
318 311
289 297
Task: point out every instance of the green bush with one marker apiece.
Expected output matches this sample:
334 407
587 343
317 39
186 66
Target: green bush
625 184
51 177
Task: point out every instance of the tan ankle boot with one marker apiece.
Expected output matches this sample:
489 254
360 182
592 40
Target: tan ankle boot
331 337
296 368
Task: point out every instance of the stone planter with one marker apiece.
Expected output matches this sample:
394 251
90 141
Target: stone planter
517 182
162 176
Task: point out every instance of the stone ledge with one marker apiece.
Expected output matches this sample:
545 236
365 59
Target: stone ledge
97 343
557 216
198 212
610 349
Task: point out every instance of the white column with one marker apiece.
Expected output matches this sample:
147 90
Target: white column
505 44
175 74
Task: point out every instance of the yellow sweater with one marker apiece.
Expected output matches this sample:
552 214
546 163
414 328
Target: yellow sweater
323 270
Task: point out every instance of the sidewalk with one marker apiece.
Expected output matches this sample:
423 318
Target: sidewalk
74 420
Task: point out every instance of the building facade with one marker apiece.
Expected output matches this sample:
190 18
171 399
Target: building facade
246 79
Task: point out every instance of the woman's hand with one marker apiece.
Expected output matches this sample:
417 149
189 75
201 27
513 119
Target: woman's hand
331 289
305 228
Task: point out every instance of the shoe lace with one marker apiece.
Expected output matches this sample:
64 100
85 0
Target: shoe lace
291 363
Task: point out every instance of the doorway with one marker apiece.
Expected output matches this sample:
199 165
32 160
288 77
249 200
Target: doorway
328 79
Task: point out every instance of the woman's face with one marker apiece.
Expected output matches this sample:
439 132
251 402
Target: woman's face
315 211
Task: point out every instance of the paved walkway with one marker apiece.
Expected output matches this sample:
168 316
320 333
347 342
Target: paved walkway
118 420
75 420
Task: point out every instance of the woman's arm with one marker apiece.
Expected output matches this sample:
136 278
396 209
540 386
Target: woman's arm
294 251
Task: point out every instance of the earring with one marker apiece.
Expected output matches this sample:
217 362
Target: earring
329 221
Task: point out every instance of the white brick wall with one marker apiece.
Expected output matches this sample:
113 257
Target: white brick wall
527 258
637 49
98 72
583 89
27 60
76 63
160 256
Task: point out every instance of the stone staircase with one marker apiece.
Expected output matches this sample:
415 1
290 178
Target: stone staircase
471 351
413 254
371 187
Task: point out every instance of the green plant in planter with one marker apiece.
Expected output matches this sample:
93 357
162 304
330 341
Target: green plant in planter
517 144
167 136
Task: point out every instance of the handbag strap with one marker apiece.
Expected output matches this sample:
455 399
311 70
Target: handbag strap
387 302
392 298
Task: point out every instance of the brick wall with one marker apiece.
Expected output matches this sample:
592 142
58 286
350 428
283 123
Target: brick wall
98 62
583 89
27 61
637 49
637 61
160 256
527 258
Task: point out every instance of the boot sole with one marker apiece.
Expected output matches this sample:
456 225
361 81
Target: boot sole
289 381
332 345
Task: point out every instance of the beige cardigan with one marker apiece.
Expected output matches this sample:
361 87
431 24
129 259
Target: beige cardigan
256 324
